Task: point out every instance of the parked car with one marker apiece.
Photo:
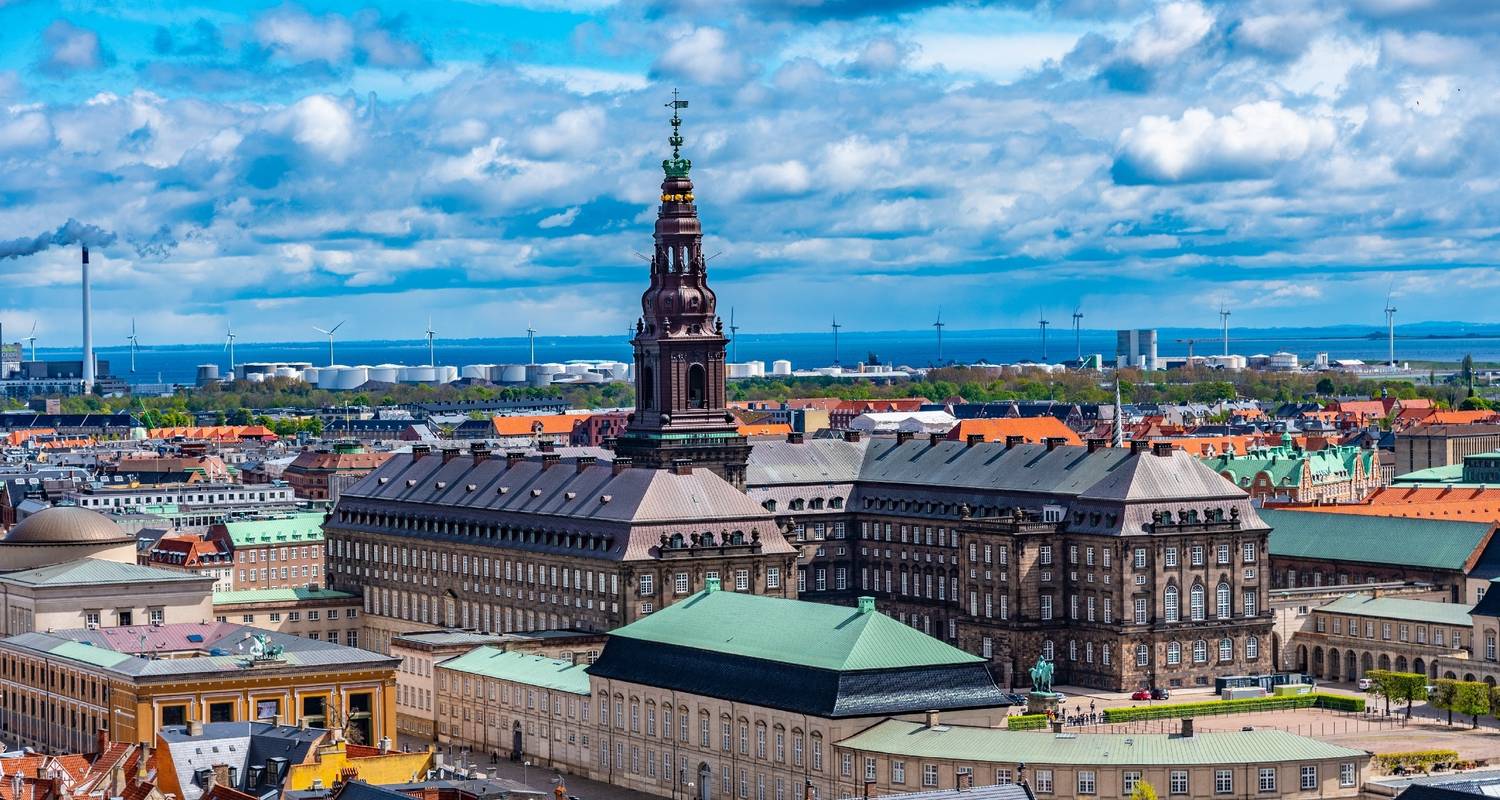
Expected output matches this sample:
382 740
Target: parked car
1158 693
1061 698
1365 684
1141 694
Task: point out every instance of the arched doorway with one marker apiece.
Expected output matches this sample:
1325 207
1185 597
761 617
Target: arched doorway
1450 676
1351 665
1275 651
1301 658
1469 676
1366 663
1400 663
1419 666
705 782
1317 663
1335 665
1385 661
517 744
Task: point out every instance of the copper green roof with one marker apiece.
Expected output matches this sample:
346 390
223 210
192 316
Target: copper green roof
293 529
524 668
1284 464
962 743
1400 608
95 572
1361 538
814 635
279 595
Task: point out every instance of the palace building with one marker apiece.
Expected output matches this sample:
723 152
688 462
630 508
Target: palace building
1126 566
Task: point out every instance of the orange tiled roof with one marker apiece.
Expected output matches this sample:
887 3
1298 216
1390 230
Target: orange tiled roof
220 433
1035 429
529 425
1362 408
764 429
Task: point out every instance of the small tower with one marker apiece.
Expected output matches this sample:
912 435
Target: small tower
680 411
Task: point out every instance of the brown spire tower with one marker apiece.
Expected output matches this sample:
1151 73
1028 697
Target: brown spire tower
680 412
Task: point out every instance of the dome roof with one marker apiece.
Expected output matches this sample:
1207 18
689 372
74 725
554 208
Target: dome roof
65 525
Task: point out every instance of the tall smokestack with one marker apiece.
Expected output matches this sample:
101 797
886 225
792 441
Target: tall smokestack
88 329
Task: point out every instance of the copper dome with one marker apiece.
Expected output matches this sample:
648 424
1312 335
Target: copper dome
65 525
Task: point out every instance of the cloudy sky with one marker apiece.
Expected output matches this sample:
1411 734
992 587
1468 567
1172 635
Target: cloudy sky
490 163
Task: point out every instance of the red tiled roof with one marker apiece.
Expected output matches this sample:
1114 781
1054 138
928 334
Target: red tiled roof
1036 429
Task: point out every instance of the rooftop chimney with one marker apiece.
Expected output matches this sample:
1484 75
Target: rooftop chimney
419 450
548 459
1014 441
973 439
794 437
932 718
934 438
902 437
1054 442
866 605
1095 445
1161 448
851 436
546 445
1138 446
621 463
195 727
480 451
449 453
682 466
514 457
88 329
1187 727
584 462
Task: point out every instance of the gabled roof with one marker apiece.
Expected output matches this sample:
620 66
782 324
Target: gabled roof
94 572
792 631
1327 536
279 595
291 529
1400 608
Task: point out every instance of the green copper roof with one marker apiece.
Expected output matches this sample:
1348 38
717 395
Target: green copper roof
1284 464
294 529
1451 473
793 632
279 595
1400 608
524 668
88 654
96 572
961 743
1441 544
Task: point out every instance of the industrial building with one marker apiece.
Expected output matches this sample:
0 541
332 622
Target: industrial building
1137 349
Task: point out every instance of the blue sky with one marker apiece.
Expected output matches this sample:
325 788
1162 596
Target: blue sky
488 163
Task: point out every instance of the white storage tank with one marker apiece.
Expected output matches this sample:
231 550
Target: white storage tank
418 374
447 374
477 372
385 373
738 370
578 369
287 372
590 377
351 377
513 373
256 377
781 367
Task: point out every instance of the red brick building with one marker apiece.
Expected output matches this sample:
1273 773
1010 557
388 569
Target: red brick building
311 474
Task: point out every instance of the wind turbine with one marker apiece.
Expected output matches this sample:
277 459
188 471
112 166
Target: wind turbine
431 359
1078 334
1042 321
531 337
329 333
836 327
939 326
134 343
1390 327
229 336
1224 323
734 337
31 339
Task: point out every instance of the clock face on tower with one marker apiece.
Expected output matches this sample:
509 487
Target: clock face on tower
680 409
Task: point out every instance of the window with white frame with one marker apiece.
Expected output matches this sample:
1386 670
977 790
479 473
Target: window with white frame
1267 780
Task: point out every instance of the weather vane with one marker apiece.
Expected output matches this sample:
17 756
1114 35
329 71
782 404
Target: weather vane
676 166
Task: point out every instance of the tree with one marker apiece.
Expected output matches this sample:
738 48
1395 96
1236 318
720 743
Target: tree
1408 687
1381 685
1143 791
1325 387
1443 696
1475 403
1471 698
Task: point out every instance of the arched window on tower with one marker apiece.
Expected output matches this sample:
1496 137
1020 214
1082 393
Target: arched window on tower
648 387
697 387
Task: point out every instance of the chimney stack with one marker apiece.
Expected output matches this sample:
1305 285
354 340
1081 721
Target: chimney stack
902 437
514 457
852 436
546 445
1054 442
549 459
1014 441
1187 727
973 439
621 463
480 451
89 364
795 437
934 438
1161 448
195 727
1095 445
584 462
932 718
682 466
419 450
449 453
1138 446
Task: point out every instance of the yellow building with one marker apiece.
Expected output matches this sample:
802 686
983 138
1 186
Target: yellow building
337 761
61 687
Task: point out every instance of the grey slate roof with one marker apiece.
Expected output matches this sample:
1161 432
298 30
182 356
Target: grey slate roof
94 571
239 745
634 496
92 648
814 461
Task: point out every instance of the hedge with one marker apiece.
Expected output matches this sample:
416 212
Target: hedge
1026 722
1244 705
1420 759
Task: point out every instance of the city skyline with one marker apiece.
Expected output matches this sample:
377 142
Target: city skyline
492 162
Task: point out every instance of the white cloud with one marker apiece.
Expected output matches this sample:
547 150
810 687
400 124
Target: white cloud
320 123
996 57
561 219
1174 29
852 161
575 132
299 36
700 54
27 131
1198 146
586 80
69 49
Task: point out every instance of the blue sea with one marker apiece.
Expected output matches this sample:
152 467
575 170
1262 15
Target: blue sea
1447 342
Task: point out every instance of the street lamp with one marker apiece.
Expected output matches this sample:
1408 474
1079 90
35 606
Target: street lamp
524 771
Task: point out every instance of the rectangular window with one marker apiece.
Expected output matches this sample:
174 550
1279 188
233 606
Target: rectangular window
1140 611
1046 608
1196 555
1267 782
929 775
1309 776
1086 782
773 577
870 764
1247 552
1346 774
1044 781
898 772
1223 781
1129 781
1177 782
